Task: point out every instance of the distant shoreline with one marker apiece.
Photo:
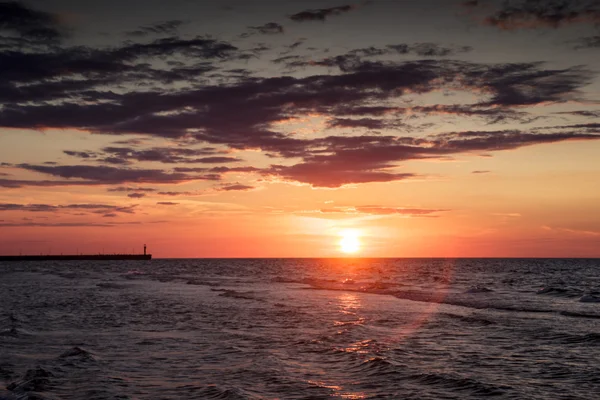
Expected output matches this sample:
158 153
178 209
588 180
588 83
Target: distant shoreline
77 257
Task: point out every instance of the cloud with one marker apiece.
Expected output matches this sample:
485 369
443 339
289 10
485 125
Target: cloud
582 113
112 175
167 155
320 14
136 195
223 170
235 187
354 59
18 183
166 203
174 194
270 28
56 72
80 154
383 210
333 174
589 42
29 24
379 210
67 224
263 102
427 49
480 172
352 160
368 123
160 28
530 14
181 89
87 208
131 189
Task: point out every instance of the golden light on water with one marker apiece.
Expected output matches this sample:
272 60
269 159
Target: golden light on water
350 241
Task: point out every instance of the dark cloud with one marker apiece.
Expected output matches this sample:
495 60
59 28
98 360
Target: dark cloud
174 194
235 187
368 123
159 28
354 59
18 183
262 102
112 175
52 224
223 170
218 160
166 203
68 224
29 24
136 195
80 154
589 42
492 115
190 169
527 14
122 90
340 160
424 49
333 174
55 73
480 172
582 113
131 189
167 155
199 47
270 28
89 208
320 14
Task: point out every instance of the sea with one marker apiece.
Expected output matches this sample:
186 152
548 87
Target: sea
300 329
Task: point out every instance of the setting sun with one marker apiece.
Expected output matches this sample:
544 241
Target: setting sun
349 242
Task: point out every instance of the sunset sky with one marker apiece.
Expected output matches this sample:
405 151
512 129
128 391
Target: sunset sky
431 128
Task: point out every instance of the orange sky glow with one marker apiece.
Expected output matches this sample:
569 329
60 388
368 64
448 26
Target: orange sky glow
471 135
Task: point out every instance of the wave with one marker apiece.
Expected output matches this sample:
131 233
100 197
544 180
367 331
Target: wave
111 285
470 319
588 298
5 373
215 392
376 366
234 294
35 380
197 282
578 339
560 291
77 353
466 300
459 383
579 315
479 289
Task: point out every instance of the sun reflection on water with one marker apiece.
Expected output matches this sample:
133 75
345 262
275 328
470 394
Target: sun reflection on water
349 303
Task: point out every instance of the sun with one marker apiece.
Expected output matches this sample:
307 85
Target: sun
349 241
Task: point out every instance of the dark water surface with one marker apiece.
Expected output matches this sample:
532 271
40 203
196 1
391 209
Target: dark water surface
300 329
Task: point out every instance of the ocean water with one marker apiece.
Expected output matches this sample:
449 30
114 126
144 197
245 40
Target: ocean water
301 329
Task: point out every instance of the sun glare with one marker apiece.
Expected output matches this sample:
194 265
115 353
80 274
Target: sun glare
349 241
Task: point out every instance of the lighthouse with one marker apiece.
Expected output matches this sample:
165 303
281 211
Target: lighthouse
144 249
